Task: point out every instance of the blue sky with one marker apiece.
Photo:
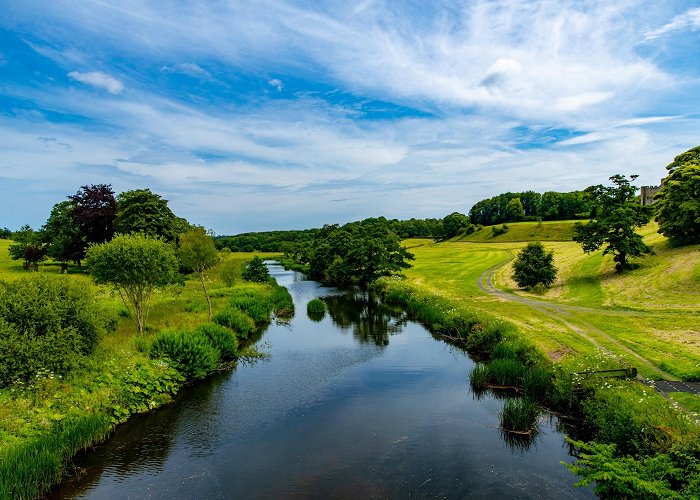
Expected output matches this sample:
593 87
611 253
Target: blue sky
258 115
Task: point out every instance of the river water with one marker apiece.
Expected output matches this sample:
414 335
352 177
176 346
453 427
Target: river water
362 403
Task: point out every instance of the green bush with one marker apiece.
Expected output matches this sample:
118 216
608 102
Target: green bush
283 303
221 338
256 271
46 322
230 271
316 306
483 338
236 320
190 353
519 415
257 307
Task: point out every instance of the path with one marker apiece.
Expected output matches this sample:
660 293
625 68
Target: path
562 312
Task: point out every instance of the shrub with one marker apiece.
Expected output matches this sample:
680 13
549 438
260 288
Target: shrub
483 338
519 415
46 321
254 306
222 339
316 306
283 303
497 231
534 266
235 319
230 272
190 353
256 270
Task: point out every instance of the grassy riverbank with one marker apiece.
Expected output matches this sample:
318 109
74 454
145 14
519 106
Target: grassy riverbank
43 423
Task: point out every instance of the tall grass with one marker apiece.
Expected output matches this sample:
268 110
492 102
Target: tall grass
519 415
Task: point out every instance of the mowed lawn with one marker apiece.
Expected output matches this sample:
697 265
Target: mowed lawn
653 310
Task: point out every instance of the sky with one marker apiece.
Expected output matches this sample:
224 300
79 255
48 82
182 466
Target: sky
262 115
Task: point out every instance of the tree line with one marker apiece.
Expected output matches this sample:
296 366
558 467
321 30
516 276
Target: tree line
530 206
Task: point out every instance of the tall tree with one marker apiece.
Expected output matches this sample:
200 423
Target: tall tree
142 211
455 223
678 205
94 211
198 252
617 217
136 265
61 234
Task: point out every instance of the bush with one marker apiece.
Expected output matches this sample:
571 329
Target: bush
534 266
236 320
222 339
483 338
254 306
497 231
46 321
230 272
283 303
256 271
190 353
519 415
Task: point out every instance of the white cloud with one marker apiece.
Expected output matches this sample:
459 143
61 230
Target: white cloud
98 79
688 20
189 69
276 83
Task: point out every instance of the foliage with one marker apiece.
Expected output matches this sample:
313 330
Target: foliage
45 322
675 474
28 247
617 214
357 253
190 353
256 271
229 272
221 338
282 302
497 231
235 319
534 266
537 383
5 233
62 235
528 205
198 252
316 306
135 265
254 306
142 211
519 415
454 224
678 201
94 211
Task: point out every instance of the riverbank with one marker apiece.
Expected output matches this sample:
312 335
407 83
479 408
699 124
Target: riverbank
45 422
640 427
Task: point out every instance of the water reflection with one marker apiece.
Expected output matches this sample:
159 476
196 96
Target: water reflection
369 319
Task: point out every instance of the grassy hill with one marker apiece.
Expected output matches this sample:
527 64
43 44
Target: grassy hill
524 231
654 310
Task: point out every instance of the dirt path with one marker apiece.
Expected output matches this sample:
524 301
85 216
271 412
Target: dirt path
563 313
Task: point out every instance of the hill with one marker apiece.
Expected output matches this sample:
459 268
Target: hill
524 231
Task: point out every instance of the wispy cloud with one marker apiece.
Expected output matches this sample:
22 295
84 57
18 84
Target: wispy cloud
189 69
99 80
690 19
276 83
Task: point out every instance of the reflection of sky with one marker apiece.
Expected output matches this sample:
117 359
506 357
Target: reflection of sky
331 415
272 115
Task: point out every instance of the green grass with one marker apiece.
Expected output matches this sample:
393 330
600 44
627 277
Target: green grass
653 310
519 415
524 231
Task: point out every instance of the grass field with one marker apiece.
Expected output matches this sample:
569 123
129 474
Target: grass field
654 311
524 231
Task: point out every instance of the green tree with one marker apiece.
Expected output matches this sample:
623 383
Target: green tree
136 265
617 217
141 211
198 252
514 210
256 270
62 235
455 223
94 210
534 266
678 205
28 247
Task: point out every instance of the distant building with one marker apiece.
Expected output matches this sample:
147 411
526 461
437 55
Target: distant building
648 192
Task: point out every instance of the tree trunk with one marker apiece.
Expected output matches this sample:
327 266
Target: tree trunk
206 294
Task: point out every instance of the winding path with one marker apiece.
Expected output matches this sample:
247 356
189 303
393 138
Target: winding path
584 330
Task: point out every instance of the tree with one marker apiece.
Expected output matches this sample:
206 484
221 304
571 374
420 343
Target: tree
678 205
136 265
5 234
198 252
141 211
94 210
534 266
256 270
62 235
455 223
617 216
27 246
514 210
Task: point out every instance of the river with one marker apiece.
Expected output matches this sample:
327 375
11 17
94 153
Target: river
362 403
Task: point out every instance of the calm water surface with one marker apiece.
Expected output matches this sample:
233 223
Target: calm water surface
361 403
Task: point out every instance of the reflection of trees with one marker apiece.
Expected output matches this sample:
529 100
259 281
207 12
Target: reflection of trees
371 321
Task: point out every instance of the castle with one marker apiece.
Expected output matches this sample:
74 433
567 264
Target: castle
648 192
